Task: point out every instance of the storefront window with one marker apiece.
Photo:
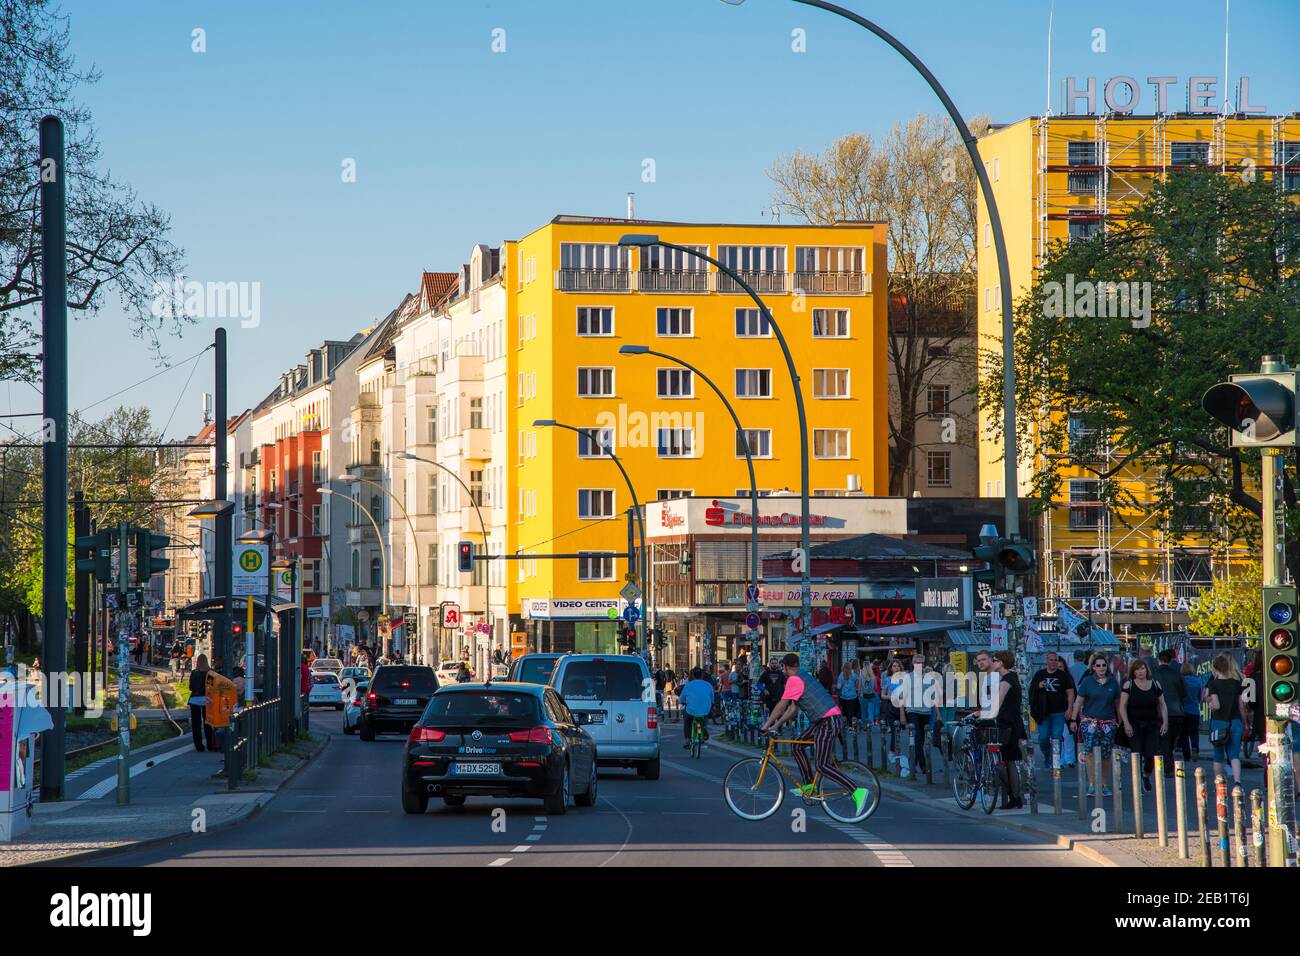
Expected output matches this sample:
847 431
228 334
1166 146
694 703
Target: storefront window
595 637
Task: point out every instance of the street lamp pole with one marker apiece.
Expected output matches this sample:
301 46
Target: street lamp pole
744 440
482 526
636 504
383 558
805 543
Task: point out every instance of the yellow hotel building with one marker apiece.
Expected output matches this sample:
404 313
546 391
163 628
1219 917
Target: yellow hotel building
1056 179
575 296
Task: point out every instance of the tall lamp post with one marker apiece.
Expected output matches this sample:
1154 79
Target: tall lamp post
594 437
325 542
415 542
744 444
805 543
482 527
219 510
383 558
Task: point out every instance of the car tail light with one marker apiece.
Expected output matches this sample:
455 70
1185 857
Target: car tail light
527 763
538 735
651 718
372 697
425 735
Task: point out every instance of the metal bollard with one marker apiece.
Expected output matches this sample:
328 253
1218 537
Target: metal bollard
1135 765
1202 821
1080 762
1180 774
911 750
1056 775
1257 825
1239 826
1158 779
1117 788
927 747
1098 779
1221 813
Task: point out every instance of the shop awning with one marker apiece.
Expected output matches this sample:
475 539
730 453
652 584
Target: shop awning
919 629
817 631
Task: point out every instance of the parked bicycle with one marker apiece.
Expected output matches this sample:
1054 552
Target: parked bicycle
976 755
755 787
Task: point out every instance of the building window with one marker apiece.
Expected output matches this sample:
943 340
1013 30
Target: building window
1189 153
595 382
432 572
744 492
431 424
1083 582
595 566
593 267
593 441
830 323
1086 507
830 383
315 519
376 572
315 467
751 324
595 320
830 442
759 439
675 442
753 383
668 494
938 469
356 570
675 383
1081 230
476 488
476 410
1287 158
376 452
674 321
595 502
937 398
763 267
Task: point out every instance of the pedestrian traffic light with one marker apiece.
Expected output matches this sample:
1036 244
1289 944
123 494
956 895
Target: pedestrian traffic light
95 555
1281 650
1259 408
465 557
146 565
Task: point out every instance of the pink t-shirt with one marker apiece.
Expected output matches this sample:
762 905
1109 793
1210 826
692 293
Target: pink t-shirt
794 690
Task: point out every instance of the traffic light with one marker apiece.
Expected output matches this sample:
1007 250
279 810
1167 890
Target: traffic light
1281 650
146 565
1259 408
98 559
236 629
465 557
627 635
1004 557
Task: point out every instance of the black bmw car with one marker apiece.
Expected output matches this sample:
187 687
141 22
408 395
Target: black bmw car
498 740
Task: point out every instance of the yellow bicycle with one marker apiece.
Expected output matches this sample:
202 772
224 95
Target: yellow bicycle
755 787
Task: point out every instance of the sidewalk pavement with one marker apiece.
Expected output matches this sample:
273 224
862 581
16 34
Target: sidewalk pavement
173 792
1114 845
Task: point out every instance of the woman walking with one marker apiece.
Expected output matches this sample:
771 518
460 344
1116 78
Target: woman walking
1096 716
1227 715
889 683
198 700
848 689
1145 716
1190 739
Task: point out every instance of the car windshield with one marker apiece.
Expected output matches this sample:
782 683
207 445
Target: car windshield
537 670
482 706
324 678
417 679
602 680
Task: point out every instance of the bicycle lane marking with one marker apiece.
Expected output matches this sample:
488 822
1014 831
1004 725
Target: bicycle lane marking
885 852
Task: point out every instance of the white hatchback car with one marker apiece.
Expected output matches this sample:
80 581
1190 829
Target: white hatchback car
447 671
326 691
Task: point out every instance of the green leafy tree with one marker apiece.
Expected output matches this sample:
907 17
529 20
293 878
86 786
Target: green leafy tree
1230 607
1220 258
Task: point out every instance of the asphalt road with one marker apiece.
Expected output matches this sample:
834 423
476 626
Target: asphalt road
345 809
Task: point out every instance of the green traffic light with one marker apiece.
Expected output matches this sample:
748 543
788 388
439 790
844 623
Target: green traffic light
1283 691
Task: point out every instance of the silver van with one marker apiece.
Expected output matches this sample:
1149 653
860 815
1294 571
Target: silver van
612 697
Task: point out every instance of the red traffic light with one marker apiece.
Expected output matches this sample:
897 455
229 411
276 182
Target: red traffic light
1281 640
236 629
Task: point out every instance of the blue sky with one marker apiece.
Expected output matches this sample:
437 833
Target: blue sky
455 144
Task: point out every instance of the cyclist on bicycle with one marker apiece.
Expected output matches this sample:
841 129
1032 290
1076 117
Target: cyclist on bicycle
804 692
697 702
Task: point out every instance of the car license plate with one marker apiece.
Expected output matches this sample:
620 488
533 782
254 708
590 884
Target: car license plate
475 768
404 700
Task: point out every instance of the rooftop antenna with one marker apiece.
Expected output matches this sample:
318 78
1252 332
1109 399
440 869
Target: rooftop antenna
1227 4
1050 17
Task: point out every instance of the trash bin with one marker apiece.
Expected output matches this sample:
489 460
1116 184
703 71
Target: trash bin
22 719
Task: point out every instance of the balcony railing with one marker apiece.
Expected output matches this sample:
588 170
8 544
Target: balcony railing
593 280
661 280
831 282
758 281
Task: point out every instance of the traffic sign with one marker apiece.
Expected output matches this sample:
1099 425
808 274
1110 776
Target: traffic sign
612 613
751 593
631 614
752 606
248 576
451 615
631 576
630 592
752 620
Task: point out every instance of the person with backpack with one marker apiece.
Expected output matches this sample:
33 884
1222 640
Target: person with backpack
1174 691
847 691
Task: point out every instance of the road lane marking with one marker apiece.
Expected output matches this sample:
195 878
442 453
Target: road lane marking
144 764
533 837
501 862
522 848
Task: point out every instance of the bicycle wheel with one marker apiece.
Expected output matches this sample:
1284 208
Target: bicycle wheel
965 782
749 797
840 805
696 737
990 787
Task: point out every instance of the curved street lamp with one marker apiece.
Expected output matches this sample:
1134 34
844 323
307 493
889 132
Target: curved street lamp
383 559
482 525
594 437
805 543
744 442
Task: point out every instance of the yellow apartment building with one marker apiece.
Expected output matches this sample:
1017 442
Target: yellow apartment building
1061 178
575 297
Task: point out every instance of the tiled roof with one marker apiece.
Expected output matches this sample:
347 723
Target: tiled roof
438 286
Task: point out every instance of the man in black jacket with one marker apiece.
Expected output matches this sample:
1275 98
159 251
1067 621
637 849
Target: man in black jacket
1168 675
773 681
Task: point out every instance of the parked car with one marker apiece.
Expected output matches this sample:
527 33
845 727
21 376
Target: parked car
498 740
326 691
612 697
534 668
352 705
331 664
447 671
395 699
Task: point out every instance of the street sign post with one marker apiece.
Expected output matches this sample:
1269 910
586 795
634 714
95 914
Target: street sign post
248 571
630 592
631 614
752 620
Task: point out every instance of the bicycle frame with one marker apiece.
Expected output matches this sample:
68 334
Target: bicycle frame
770 756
